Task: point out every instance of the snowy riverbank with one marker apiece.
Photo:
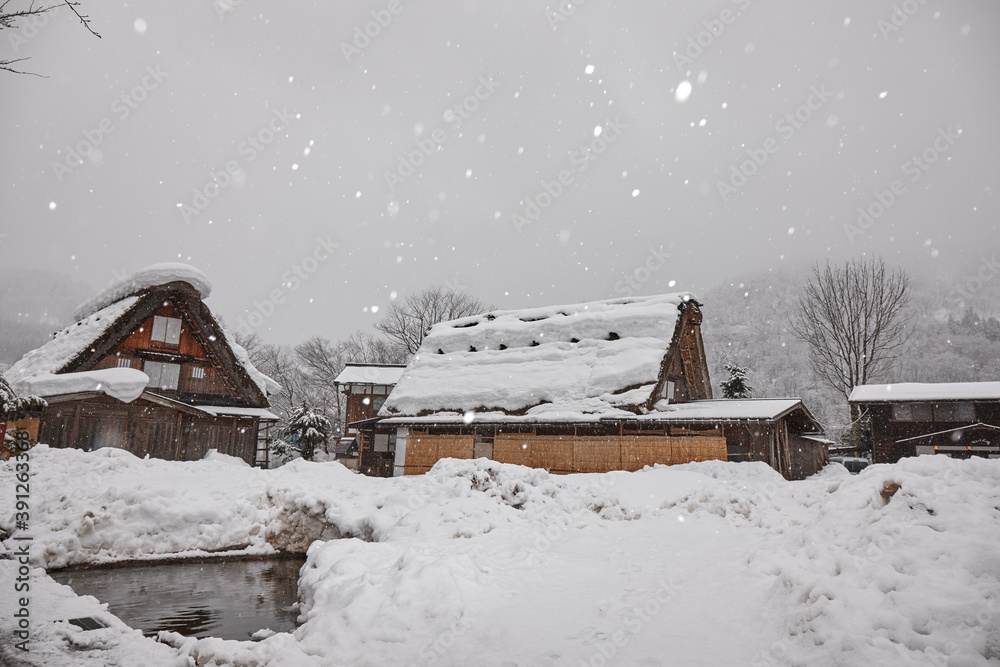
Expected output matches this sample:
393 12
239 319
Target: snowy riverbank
482 563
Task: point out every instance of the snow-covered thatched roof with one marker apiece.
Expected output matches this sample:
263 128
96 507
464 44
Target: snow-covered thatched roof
580 361
98 316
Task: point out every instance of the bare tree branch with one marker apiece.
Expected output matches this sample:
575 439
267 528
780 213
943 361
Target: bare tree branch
10 19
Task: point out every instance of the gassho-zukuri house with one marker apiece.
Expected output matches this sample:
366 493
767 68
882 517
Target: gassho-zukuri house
591 387
957 419
146 368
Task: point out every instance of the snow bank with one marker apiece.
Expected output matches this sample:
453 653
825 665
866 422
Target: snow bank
709 563
125 384
151 276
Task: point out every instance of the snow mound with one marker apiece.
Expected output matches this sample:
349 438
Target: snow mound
125 384
151 276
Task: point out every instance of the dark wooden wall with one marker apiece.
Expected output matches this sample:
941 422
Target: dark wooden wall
886 432
144 428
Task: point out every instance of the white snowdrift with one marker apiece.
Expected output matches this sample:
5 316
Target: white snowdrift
151 276
482 563
125 384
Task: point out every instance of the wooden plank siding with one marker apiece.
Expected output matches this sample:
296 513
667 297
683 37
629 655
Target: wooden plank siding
568 453
143 428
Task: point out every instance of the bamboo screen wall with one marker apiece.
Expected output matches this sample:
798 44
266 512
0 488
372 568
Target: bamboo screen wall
566 454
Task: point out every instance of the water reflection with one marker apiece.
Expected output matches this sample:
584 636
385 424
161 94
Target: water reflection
229 600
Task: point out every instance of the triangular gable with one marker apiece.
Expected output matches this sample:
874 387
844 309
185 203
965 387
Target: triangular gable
201 324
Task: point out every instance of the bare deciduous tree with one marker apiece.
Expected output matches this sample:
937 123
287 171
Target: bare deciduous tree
11 16
363 347
854 319
406 322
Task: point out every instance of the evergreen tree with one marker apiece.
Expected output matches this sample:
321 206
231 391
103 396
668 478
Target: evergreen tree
308 429
737 386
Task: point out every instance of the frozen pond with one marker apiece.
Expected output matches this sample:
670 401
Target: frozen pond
227 599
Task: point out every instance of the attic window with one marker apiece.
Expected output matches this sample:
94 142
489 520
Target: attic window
166 330
613 336
198 372
124 363
162 376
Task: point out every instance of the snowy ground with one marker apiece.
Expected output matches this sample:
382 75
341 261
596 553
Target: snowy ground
488 564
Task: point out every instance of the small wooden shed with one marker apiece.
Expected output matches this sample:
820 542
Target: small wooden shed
958 419
147 368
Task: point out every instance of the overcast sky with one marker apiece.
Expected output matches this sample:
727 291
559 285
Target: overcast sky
731 136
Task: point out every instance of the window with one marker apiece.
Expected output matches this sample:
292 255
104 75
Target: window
166 330
161 375
377 402
912 412
197 372
954 412
124 363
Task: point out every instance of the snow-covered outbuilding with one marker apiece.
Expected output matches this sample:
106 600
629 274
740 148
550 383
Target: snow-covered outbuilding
147 368
589 387
365 387
959 419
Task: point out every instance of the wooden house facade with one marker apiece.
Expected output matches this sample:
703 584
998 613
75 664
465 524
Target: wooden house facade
593 387
960 419
147 368
365 388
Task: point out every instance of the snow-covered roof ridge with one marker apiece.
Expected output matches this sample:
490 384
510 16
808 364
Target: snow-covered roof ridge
594 358
926 391
141 280
359 373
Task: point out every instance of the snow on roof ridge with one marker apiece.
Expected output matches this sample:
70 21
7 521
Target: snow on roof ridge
143 279
916 391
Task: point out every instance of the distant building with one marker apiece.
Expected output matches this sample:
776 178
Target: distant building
590 387
959 419
147 368
366 386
